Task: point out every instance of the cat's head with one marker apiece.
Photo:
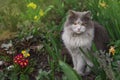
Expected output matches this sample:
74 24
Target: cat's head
78 22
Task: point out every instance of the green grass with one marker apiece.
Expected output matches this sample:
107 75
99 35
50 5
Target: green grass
108 16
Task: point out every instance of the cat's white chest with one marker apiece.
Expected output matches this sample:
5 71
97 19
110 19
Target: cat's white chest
84 41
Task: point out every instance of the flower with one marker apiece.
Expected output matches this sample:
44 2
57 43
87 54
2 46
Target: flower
10 67
41 13
25 53
103 4
36 18
112 50
1 63
17 58
32 5
21 60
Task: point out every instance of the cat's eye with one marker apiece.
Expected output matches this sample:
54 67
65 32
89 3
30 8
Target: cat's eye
83 24
75 23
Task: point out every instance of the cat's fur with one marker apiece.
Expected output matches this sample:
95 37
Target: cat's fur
79 32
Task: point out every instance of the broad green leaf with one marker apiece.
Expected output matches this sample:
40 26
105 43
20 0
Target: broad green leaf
69 72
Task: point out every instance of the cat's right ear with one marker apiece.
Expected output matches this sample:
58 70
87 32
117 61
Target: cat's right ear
88 15
71 12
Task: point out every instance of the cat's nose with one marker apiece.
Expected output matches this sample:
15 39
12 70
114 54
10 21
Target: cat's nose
78 29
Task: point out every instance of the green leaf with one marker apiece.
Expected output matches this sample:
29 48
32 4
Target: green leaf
28 70
69 72
24 77
118 77
13 76
98 78
48 9
117 57
43 75
49 49
2 76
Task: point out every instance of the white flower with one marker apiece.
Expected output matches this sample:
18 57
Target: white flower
10 67
1 63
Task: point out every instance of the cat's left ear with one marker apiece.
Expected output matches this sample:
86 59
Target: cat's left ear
87 14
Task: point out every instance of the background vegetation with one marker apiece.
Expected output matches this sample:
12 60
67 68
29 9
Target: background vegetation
45 19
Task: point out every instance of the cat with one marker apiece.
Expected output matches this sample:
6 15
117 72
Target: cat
80 31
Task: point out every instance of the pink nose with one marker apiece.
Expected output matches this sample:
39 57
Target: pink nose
78 29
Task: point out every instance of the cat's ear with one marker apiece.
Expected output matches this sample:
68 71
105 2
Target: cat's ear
88 15
71 13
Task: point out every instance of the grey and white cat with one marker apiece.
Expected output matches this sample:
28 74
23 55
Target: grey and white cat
80 32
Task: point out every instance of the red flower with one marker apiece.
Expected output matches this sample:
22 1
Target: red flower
19 59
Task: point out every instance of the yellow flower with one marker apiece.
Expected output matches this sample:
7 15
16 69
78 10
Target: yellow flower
41 13
25 53
103 4
36 18
32 5
112 50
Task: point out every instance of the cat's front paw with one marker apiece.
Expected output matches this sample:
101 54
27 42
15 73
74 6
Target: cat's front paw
74 68
87 71
81 73
84 73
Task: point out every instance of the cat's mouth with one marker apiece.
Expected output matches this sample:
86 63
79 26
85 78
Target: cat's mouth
77 33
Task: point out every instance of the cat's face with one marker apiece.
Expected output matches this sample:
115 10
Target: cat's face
78 22
78 27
